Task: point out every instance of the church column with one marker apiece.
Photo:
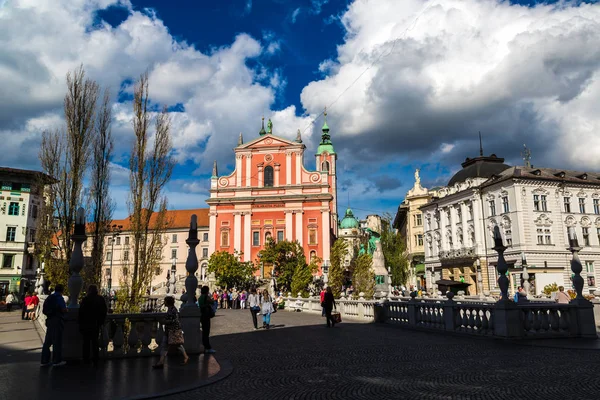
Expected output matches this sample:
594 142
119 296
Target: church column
299 226
212 232
238 170
237 231
289 236
288 168
298 168
247 236
325 219
248 170
276 173
260 176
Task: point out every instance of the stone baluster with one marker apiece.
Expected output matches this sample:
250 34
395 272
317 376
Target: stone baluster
119 338
146 337
76 263
132 339
576 266
191 264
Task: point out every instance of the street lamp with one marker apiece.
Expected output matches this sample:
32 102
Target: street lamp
115 231
525 274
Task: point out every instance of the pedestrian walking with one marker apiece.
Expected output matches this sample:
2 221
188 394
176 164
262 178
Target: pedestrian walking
54 309
173 336
520 296
266 308
92 313
329 304
24 310
243 300
205 302
323 302
254 303
224 299
10 299
34 301
562 297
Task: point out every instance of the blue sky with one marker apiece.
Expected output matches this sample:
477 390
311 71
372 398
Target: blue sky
432 74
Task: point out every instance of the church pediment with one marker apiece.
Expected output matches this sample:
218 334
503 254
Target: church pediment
268 141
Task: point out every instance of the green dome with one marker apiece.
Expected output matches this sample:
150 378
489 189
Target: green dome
349 222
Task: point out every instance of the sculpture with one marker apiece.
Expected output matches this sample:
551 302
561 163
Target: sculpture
417 178
269 126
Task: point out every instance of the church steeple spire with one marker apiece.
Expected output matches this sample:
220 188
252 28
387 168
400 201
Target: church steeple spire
325 144
262 129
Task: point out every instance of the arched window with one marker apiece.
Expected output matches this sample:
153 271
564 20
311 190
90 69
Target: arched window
267 237
268 176
325 166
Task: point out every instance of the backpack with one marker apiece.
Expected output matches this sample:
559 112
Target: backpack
49 308
516 298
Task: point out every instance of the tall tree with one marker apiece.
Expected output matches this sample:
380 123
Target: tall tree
393 245
150 169
363 277
339 250
100 202
65 155
303 275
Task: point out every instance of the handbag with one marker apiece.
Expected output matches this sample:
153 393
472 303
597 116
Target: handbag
337 317
30 307
175 337
274 307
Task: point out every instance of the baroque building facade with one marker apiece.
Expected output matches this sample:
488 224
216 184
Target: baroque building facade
533 208
21 200
270 194
409 222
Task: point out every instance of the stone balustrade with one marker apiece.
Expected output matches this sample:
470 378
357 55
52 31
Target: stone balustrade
354 309
132 335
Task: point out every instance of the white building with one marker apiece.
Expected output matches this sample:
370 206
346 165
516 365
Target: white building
533 208
21 199
118 256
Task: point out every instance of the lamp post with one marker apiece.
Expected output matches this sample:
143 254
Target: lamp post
168 281
325 271
525 275
115 231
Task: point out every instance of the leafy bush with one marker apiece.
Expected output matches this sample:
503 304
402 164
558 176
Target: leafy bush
549 289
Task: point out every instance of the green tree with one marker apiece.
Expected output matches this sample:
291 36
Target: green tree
363 277
393 245
339 250
229 270
285 257
303 276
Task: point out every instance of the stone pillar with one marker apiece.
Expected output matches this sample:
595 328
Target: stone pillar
276 169
247 236
237 231
298 168
299 226
238 170
249 170
212 232
260 176
288 168
449 312
76 263
289 225
583 323
189 315
325 219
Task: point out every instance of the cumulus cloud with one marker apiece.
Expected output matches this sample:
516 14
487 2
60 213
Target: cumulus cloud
440 71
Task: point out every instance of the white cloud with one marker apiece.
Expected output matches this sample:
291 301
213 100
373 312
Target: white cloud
317 6
295 15
438 71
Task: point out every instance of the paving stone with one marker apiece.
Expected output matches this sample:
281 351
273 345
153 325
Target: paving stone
302 359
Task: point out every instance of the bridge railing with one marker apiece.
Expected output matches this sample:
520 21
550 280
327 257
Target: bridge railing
132 335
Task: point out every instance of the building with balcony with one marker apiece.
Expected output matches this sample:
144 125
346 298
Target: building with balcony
21 199
118 250
534 207
409 222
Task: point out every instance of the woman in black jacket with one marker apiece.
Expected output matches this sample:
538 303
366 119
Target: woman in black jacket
329 303
92 314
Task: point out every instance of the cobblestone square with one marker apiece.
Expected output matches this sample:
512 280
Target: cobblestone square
301 359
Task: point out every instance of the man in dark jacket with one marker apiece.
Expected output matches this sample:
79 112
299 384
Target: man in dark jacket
328 304
92 314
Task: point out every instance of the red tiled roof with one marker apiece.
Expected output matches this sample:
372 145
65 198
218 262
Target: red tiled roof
176 219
